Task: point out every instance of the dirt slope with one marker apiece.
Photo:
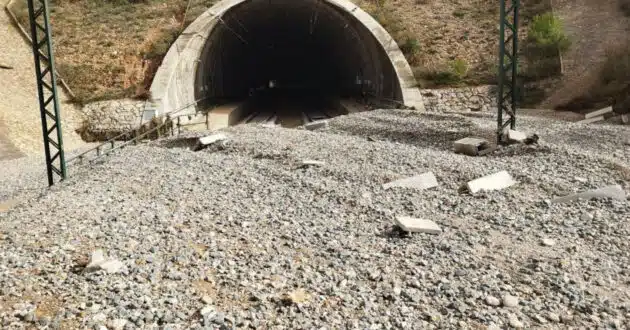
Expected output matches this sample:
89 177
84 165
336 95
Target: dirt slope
594 26
20 125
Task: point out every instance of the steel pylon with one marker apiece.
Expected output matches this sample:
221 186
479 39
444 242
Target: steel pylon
507 98
47 89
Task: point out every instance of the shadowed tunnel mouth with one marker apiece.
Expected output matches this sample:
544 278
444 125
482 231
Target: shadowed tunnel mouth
293 55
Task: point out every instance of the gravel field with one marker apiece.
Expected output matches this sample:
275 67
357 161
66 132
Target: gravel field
239 235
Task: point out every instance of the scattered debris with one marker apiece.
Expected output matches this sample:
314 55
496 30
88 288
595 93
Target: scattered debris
204 142
316 125
548 242
496 181
612 191
598 113
308 162
415 225
98 262
298 296
421 182
471 146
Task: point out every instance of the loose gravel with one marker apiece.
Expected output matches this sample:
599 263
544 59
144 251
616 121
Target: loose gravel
242 235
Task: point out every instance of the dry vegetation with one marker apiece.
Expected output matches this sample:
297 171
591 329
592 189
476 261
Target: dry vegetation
111 49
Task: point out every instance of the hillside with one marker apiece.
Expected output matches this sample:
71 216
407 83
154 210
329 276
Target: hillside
111 50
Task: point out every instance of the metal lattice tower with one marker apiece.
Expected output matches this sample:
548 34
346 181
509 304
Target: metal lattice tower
47 89
508 66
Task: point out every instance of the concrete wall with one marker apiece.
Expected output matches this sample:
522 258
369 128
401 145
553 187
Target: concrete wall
174 85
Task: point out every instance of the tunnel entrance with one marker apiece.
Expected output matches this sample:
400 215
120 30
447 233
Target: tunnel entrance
295 60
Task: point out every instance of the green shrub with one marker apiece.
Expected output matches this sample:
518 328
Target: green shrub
410 46
460 68
546 31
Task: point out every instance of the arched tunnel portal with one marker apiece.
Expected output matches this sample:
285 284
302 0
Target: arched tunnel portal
298 56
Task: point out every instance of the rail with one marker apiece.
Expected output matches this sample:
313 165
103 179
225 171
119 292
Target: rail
103 149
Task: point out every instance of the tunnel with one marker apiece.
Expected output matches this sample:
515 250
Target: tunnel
292 61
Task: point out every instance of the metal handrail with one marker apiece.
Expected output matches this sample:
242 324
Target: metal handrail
132 132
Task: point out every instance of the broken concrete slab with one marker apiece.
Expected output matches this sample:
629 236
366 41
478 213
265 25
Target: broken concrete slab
496 181
309 162
591 120
613 191
470 146
316 125
420 182
205 141
516 136
598 113
98 262
416 225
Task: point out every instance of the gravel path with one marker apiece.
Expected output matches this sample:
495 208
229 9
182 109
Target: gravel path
19 108
240 235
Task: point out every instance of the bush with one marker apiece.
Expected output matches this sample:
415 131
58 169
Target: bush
624 5
546 31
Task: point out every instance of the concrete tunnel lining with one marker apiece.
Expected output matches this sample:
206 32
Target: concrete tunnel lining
225 52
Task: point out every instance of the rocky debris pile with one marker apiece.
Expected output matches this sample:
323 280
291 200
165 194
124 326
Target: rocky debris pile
242 237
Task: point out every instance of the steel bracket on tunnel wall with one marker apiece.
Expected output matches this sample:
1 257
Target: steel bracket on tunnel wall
507 97
47 89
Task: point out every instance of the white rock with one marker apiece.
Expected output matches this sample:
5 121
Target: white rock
421 182
416 225
493 301
99 318
548 242
510 301
206 310
316 125
496 181
117 324
612 191
586 217
206 300
514 322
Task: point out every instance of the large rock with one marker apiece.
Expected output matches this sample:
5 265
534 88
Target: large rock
470 146
496 181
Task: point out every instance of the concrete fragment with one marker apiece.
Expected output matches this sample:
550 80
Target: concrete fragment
96 260
496 181
309 162
415 225
509 301
493 301
420 182
316 125
599 112
548 242
516 136
470 146
112 266
209 139
613 191
591 120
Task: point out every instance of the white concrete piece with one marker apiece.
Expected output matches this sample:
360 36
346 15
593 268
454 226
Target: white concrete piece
591 120
421 182
597 113
112 266
625 119
613 191
316 125
209 139
415 225
309 162
496 181
96 259
470 146
516 136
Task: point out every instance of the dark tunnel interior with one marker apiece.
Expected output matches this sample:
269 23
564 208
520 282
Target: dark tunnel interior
304 52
